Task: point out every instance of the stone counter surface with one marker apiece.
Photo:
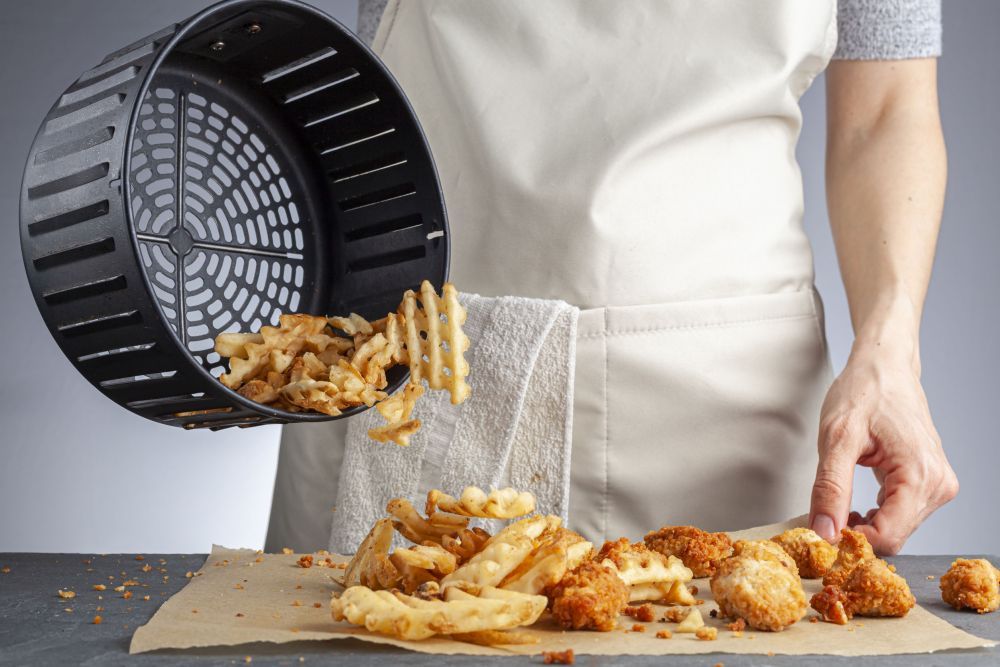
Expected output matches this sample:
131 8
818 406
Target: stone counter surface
37 629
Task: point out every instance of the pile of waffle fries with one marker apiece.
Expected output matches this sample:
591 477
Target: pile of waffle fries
465 583
329 364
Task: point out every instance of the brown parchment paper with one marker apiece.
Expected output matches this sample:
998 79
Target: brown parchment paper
235 600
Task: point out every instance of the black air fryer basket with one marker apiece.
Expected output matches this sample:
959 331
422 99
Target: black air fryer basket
253 160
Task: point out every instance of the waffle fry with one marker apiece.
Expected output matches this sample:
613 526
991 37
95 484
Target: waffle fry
548 563
422 564
397 409
502 554
649 575
466 544
408 617
498 504
371 565
436 348
351 325
331 364
420 530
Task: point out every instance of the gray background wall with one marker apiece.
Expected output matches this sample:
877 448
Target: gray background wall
77 473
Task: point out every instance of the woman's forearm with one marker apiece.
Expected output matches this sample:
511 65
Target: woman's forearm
885 189
886 172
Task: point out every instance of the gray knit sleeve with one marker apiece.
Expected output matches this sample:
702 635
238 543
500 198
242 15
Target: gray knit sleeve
888 29
369 14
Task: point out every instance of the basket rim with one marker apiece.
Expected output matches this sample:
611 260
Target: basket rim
179 35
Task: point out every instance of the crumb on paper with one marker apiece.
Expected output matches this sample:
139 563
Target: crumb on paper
642 613
194 611
714 613
298 587
693 589
187 574
318 605
558 657
240 614
66 595
296 603
97 620
814 619
675 614
930 577
638 628
238 587
287 551
739 625
306 561
664 634
706 634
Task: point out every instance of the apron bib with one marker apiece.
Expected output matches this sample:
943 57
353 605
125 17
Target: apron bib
637 160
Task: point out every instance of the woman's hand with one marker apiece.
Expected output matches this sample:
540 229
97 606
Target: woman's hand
876 415
885 180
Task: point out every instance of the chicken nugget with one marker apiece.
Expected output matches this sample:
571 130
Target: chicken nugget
765 593
589 598
972 584
852 549
701 551
812 554
765 550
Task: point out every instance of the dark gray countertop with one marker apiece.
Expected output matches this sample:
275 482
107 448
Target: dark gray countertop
35 629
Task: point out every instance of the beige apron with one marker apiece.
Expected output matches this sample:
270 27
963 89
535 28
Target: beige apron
637 160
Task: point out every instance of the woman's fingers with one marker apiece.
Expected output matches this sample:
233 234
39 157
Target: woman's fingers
888 527
840 446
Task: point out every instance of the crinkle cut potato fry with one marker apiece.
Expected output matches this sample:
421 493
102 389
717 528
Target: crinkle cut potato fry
407 617
371 565
497 504
331 364
441 359
420 530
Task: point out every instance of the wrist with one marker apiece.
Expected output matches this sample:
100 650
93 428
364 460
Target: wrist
890 333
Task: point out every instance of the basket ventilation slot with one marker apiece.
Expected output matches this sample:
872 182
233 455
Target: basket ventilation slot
219 225
68 219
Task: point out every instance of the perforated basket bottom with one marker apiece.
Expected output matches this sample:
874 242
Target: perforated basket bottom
223 222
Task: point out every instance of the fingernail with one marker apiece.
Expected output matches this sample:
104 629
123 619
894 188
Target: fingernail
823 525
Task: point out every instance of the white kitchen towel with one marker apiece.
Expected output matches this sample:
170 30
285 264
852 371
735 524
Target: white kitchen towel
515 429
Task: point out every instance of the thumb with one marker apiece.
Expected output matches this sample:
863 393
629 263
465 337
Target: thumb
831 492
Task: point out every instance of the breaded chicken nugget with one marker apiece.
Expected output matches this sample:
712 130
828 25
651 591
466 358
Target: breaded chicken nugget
852 549
699 550
765 550
589 598
972 584
872 589
765 592
811 553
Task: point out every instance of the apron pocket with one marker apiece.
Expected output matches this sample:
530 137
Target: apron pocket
701 412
